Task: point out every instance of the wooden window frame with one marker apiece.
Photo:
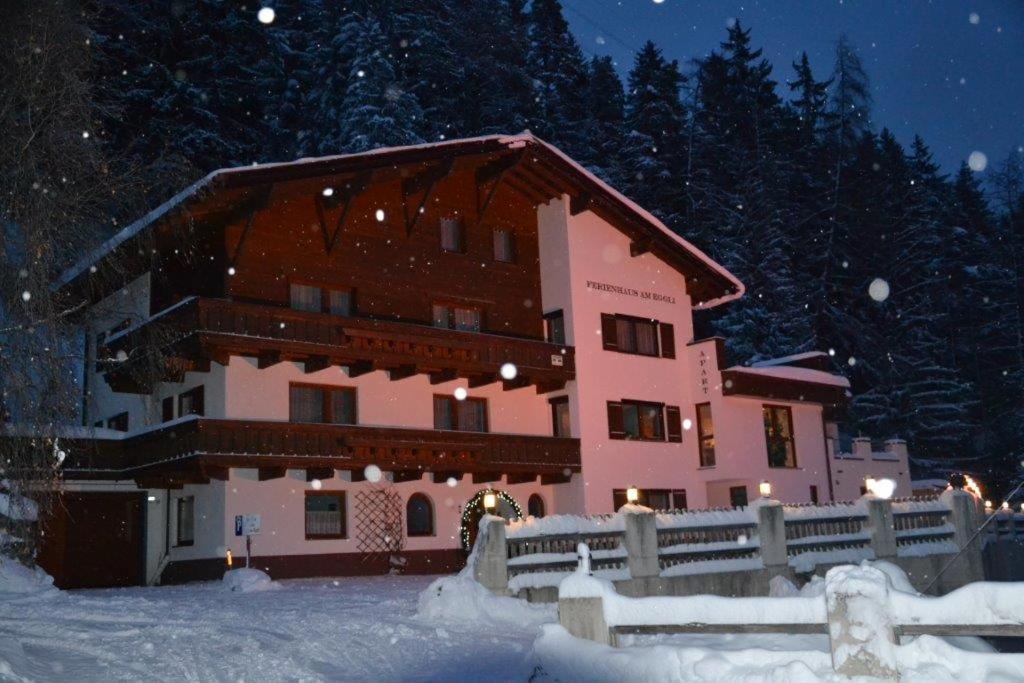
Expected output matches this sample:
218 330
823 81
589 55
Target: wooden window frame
453 406
199 391
555 403
672 495
701 436
746 495
325 402
791 439
664 335
548 317
642 404
325 295
342 508
513 255
432 531
462 247
179 542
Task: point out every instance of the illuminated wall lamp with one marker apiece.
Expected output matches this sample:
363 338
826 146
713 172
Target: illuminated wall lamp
765 489
632 495
490 501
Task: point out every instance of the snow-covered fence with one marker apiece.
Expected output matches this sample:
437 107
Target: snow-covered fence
862 614
1007 524
764 539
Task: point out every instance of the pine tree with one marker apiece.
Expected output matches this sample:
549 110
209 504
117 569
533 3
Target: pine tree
559 71
375 111
606 115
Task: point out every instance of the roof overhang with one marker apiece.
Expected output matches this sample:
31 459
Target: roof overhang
544 172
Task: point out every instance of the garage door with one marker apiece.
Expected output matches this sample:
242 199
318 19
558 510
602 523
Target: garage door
96 540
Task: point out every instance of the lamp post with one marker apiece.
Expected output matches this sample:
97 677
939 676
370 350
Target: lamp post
490 502
632 495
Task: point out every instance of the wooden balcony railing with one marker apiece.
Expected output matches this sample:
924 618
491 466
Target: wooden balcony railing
199 330
205 448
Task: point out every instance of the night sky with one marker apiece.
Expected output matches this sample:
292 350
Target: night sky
949 70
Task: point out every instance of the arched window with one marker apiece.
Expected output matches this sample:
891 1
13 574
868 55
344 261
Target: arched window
535 506
419 516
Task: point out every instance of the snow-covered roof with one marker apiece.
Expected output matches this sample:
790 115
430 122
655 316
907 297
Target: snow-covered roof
798 374
508 141
789 360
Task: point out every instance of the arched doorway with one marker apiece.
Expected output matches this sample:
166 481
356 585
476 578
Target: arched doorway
507 508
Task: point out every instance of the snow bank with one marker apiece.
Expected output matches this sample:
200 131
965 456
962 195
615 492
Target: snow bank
17 579
461 600
246 580
18 508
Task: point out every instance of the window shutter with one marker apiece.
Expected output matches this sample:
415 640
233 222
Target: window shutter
615 428
609 332
675 427
668 340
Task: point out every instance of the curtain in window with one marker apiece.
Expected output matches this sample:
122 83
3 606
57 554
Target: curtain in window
562 421
646 338
441 318
503 246
467 319
305 404
340 302
471 416
324 515
650 422
442 412
305 298
343 406
624 335
451 234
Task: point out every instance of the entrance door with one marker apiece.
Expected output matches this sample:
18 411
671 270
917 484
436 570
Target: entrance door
96 540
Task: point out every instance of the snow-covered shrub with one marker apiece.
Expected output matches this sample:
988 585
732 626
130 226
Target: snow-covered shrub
246 580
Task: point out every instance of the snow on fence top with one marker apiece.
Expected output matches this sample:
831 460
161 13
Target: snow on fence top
563 525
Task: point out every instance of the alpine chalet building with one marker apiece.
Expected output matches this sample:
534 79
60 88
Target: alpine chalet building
334 357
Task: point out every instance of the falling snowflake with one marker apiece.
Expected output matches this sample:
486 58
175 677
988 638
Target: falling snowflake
231 270
977 161
380 215
26 295
452 482
372 473
974 18
316 484
509 371
460 394
852 361
266 15
328 191
687 423
878 289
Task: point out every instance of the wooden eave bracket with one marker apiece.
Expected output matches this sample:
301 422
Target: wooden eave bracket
425 182
343 196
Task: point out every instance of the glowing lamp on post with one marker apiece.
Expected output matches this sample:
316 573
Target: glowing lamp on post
765 489
869 484
228 559
632 495
1006 505
988 505
490 501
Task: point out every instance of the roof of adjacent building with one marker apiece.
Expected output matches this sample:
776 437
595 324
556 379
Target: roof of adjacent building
708 283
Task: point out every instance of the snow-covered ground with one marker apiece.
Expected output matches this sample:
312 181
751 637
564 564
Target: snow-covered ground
363 629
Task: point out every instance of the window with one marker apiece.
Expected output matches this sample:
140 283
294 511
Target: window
561 425
468 415
118 422
705 435
504 246
814 495
452 235
457 318
186 520
554 327
641 420
778 433
535 506
419 516
167 409
656 499
191 402
325 514
738 496
641 336
305 298
322 299
331 405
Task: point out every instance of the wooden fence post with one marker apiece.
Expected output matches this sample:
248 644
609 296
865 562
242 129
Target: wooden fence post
860 630
641 540
882 528
491 570
771 530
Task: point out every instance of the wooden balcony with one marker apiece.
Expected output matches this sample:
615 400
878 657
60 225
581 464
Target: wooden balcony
191 334
200 449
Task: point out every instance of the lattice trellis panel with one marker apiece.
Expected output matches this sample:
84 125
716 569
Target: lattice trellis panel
378 517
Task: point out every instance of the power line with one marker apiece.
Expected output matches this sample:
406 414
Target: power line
611 34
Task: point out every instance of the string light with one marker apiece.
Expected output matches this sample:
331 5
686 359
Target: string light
476 503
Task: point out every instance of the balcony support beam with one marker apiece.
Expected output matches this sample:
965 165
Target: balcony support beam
517 383
319 473
268 473
486 477
398 476
401 372
482 380
315 364
561 478
443 477
521 477
443 376
268 359
362 367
